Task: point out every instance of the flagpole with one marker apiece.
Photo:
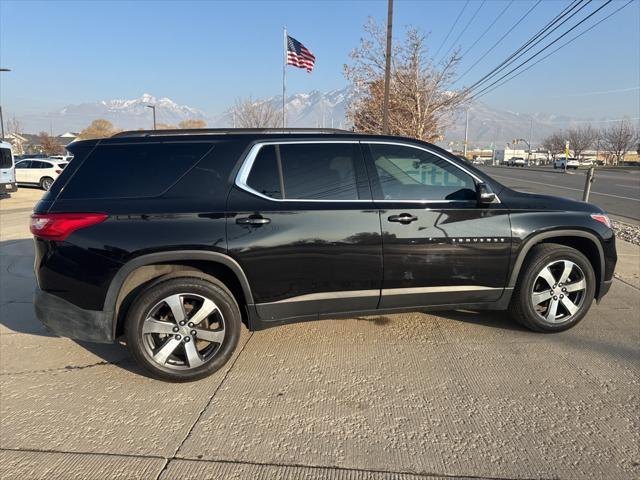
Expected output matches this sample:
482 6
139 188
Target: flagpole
284 79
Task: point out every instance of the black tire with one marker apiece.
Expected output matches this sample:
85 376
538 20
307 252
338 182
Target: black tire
522 308
45 183
151 297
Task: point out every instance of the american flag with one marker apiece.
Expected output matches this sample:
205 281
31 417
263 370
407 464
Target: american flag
298 55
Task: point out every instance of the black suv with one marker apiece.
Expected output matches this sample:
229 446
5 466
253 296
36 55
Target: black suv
175 238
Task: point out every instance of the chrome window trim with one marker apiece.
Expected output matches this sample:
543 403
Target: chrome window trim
247 164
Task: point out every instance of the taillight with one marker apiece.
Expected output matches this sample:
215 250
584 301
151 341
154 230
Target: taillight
601 218
58 226
58 172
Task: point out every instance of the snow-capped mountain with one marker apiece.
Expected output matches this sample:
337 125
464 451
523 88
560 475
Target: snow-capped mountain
307 109
124 114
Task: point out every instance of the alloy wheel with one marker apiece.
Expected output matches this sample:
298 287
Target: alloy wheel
559 291
183 331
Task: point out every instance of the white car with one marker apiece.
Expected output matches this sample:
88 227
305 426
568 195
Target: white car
571 163
39 171
516 162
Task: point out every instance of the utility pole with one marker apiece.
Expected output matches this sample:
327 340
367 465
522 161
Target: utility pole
530 137
2 119
466 133
387 70
153 107
284 78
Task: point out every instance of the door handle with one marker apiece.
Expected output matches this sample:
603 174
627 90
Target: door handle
253 220
404 218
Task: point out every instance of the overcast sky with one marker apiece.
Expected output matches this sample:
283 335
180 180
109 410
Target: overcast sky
205 54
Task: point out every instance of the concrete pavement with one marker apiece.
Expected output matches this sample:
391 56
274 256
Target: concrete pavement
454 394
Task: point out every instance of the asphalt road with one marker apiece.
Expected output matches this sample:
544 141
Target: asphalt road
413 396
617 192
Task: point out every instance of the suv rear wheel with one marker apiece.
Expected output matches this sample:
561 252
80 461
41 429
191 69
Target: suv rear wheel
555 289
183 329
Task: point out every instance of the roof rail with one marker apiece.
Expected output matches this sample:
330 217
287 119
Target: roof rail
225 131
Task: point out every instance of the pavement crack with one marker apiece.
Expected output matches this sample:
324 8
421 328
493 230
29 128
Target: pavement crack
625 282
226 374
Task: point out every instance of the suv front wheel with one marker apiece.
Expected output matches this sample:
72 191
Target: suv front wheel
183 329
555 289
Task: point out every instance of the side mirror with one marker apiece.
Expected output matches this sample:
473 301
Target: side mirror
485 195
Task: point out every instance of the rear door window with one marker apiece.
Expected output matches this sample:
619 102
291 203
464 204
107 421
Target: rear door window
309 171
321 171
133 170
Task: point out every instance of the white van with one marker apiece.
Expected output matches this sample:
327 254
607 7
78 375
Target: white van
7 170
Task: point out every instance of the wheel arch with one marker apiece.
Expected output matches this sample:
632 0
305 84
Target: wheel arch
145 269
585 242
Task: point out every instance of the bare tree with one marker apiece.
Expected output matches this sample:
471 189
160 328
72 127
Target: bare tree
256 114
554 144
618 139
50 145
581 139
422 102
14 125
187 124
98 129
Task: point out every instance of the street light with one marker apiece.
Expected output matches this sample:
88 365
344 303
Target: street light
1 119
153 107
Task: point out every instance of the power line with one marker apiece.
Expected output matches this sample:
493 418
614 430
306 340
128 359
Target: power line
540 36
452 27
488 28
501 38
464 28
554 51
549 45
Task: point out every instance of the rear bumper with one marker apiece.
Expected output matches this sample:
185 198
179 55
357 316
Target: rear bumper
65 319
8 187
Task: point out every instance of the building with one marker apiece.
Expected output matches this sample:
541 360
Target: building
24 143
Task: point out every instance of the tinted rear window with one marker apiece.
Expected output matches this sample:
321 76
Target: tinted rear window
5 158
324 171
129 171
264 173
320 171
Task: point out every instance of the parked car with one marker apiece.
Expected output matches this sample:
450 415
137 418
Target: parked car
587 162
41 172
571 163
206 230
477 161
7 170
516 162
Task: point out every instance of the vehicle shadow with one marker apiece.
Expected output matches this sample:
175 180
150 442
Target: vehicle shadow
486 318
